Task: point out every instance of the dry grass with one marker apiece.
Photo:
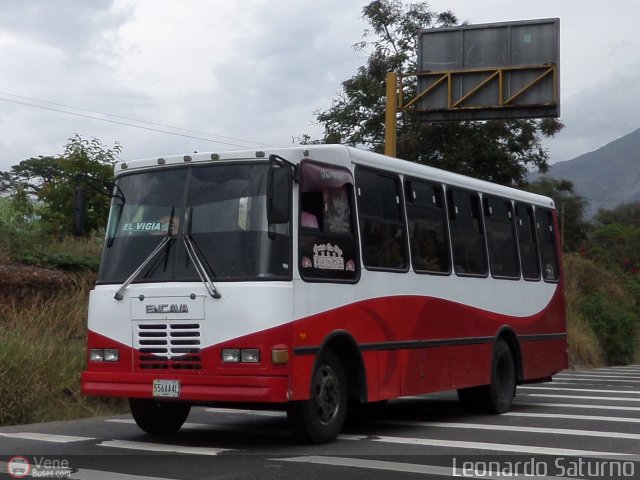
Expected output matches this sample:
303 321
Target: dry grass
42 352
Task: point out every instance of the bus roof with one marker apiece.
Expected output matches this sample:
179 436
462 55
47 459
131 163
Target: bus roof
344 156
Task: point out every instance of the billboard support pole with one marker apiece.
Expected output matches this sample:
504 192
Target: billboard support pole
390 131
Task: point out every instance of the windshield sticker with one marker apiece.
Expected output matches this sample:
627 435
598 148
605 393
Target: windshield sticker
146 227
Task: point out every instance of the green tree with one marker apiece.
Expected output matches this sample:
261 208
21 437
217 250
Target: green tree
498 151
50 181
625 214
573 227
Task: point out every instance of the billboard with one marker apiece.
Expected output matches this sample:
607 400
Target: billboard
489 71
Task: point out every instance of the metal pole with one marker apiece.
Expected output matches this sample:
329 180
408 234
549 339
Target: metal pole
390 132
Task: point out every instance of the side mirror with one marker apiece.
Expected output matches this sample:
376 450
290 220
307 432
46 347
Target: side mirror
79 210
278 193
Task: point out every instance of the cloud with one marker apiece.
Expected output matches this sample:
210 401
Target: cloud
599 114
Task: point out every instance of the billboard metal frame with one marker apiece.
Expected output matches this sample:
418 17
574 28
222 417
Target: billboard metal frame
515 89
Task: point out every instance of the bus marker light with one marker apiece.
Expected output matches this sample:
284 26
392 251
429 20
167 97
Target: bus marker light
279 356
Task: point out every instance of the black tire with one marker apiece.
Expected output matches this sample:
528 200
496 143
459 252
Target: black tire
503 379
158 418
320 419
496 397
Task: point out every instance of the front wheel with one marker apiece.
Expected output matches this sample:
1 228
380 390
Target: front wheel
320 419
158 418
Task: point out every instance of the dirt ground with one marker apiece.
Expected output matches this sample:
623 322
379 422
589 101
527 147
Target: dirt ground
19 282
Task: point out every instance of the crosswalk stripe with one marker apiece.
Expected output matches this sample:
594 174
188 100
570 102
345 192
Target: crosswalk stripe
585 379
599 418
89 474
502 447
512 428
260 413
596 374
162 447
44 437
578 405
576 397
371 464
397 467
590 390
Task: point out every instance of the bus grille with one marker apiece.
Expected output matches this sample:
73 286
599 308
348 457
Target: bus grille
171 345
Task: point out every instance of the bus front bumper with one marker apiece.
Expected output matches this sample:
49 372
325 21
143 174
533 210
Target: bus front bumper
196 388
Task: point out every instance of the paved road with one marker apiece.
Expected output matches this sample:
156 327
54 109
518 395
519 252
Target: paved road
585 424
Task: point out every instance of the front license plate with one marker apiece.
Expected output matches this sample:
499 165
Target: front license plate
166 388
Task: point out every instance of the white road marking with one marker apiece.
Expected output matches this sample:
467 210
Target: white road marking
590 390
394 466
578 405
260 413
236 428
503 447
45 437
581 397
598 418
585 379
596 374
88 474
372 465
161 447
512 428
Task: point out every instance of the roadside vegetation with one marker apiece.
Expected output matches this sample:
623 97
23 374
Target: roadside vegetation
42 336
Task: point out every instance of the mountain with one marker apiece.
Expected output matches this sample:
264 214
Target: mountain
605 177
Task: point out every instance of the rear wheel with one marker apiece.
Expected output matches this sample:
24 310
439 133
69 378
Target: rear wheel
158 418
320 419
496 397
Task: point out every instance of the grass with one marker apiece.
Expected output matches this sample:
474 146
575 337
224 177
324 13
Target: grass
602 315
42 352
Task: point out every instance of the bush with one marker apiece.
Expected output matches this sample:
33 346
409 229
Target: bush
42 352
616 327
601 314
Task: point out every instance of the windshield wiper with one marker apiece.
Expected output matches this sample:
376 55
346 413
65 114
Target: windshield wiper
127 282
195 259
202 272
167 238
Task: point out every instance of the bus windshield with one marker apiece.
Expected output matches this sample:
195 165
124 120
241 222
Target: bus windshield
222 210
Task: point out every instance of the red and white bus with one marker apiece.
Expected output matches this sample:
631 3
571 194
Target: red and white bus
315 276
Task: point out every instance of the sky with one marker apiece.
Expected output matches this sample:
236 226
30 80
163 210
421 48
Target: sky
164 77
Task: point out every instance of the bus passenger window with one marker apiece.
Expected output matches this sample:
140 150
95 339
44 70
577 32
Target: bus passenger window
381 221
547 239
427 221
467 233
526 228
327 248
501 238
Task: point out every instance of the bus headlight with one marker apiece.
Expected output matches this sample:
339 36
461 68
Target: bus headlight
96 355
250 355
111 355
237 355
230 355
104 355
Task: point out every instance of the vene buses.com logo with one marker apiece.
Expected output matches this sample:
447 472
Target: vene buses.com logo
18 467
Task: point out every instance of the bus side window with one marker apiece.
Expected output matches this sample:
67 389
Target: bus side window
467 233
427 220
327 246
381 221
501 238
527 241
547 239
